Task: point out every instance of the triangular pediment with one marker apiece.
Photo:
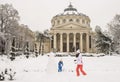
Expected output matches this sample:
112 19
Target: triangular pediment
70 26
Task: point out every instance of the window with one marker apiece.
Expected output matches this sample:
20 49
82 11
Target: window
58 21
64 20
83 21
77 20
70 20
87 22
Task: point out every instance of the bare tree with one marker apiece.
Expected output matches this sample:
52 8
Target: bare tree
8 22
8 17
41 38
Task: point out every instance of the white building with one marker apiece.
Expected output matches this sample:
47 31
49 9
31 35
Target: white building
70 31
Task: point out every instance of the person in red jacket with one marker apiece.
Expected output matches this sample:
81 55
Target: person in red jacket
79 67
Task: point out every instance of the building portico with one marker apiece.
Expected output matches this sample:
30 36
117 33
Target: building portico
71 41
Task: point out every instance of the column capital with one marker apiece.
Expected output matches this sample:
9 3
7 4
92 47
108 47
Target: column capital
67 34
87 34
74 33
54 33
60 33
81 33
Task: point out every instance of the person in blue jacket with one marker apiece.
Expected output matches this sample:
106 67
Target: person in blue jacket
60 65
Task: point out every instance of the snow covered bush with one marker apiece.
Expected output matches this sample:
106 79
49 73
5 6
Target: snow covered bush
7 74
2 76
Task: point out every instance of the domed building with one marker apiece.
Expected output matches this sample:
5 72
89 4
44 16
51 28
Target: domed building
71 31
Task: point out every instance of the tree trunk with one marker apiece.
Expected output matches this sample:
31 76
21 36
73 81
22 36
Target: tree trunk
40 47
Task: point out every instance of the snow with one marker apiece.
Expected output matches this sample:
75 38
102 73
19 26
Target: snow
98 69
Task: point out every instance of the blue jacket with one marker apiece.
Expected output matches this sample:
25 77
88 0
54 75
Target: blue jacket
60 63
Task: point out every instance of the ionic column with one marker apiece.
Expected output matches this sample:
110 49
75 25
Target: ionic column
68 42
74 44
81 42
87 42
54 41
61 42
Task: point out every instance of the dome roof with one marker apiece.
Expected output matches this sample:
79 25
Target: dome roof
70 10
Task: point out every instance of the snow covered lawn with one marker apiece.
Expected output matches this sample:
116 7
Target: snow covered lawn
98 69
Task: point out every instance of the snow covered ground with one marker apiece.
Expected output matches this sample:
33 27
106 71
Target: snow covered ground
98 69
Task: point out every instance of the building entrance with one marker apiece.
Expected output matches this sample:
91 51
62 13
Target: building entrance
71 47
64 47
77 46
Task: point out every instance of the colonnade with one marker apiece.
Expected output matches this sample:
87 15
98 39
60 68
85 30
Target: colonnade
83 43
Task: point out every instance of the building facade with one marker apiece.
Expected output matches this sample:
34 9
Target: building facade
71 31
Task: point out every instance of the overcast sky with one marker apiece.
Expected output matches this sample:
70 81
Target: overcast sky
37 14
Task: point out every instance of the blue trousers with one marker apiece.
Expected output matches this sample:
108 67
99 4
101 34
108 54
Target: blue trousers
59 69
